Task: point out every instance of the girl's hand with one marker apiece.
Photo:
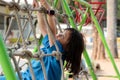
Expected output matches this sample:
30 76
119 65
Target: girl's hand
35 4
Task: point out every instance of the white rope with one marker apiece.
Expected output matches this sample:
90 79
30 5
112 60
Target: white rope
9 27
27 53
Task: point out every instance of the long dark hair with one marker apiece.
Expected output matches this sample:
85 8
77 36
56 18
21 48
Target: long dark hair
73 51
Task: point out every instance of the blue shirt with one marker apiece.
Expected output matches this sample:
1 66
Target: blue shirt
52 66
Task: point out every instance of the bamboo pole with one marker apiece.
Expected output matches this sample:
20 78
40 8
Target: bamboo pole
5 62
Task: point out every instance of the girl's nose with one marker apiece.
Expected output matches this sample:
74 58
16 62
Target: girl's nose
59 35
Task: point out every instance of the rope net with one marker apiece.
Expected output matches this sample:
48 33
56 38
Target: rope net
22 18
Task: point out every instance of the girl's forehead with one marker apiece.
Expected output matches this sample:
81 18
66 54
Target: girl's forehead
66 32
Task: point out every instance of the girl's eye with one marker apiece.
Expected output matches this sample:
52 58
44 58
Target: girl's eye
60 35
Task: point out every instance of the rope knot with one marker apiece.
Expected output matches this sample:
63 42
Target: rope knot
13 6
26 54
57 54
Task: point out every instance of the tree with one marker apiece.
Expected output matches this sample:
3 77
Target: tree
111 27
98 48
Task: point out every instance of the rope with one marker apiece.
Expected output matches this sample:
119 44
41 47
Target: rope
8 30
25 53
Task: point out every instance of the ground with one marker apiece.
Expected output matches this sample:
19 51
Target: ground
107 72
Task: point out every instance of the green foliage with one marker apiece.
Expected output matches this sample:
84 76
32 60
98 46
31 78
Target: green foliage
118 9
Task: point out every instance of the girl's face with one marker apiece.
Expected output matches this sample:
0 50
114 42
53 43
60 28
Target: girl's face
63 37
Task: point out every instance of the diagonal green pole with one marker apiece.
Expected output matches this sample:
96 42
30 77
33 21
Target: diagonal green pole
68 11
101 35
87 59
104 42
55 3
83 20
5 62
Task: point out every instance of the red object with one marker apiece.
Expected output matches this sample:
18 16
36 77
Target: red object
98 12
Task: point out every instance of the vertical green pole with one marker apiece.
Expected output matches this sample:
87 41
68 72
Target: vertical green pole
85 52
104 42
5 62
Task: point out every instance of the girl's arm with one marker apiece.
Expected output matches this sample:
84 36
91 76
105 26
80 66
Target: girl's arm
42 22
51 21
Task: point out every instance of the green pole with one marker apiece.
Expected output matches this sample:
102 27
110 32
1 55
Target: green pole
104 42
85 54
87 59
67 9
5 62
55 3
83 20
68 12
101 35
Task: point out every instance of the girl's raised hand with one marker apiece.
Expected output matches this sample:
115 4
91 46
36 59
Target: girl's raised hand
35 4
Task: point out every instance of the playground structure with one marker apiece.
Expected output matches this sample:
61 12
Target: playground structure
25 41
98 12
